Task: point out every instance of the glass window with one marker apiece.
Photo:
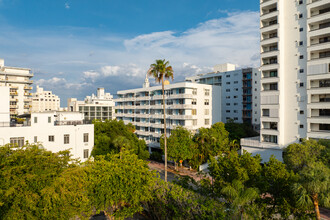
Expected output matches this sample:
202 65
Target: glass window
66 139
85 137
51 138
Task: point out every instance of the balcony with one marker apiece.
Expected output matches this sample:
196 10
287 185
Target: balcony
13 93
73 122
27 87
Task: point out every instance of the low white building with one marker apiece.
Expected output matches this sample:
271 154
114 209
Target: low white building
98 106
54 130
44 101
191 105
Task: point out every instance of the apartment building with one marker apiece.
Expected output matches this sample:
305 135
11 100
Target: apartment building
191 105
19 81
44 101
240 92
99 106
295 76
54 130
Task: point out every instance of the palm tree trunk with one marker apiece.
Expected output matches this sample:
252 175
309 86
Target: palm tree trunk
165 137
316 206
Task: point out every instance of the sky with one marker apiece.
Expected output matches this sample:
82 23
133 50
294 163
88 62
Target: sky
74 47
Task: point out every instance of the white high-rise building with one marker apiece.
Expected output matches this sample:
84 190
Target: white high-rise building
19 82
240 92
100 106
295 78
44 101
190 105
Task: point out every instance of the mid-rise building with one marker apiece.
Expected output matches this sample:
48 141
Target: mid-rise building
295 59
44 101
240 92
19 81
100 106
54 130
187 104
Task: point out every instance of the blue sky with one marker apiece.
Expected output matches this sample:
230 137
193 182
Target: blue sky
75 46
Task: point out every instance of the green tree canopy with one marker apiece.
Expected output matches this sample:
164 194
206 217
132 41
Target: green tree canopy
39 184
118 186
179 144
108 134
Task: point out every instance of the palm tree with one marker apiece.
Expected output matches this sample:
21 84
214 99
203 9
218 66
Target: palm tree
159 71
240 199
314 182
121 142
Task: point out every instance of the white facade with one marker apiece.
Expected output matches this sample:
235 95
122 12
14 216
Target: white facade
4 106
55 131
295 58
19 81
240 92
44 101
100 106
190 105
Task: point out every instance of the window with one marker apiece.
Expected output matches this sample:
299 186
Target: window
301 112
194 111
207 121
235 96
195 122
227 111
236 89
227 76
194 92
235 103
228 83
227 97
235 82
301 43
18 141
300 15
207 92
301 29
235 111
194 101
35 120
206 102
301 57
301 70
301 126
206 111
235 119
86 153
51 138
301 2
66 139
35 139
85 137
227 104
49 119
301 84
227 90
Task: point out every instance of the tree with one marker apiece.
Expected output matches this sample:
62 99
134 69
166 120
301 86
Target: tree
218 138
121 142
179 144
314 181
230 166
240 199
159 71
297 156
239 130
106 134
39 184
307 161
118 186
275 186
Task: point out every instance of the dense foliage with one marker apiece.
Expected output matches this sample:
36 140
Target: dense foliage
239 130
110 136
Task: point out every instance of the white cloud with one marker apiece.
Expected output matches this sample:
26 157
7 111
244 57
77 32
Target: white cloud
66 5
88 58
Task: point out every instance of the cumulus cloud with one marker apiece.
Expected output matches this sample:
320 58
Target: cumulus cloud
66 5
